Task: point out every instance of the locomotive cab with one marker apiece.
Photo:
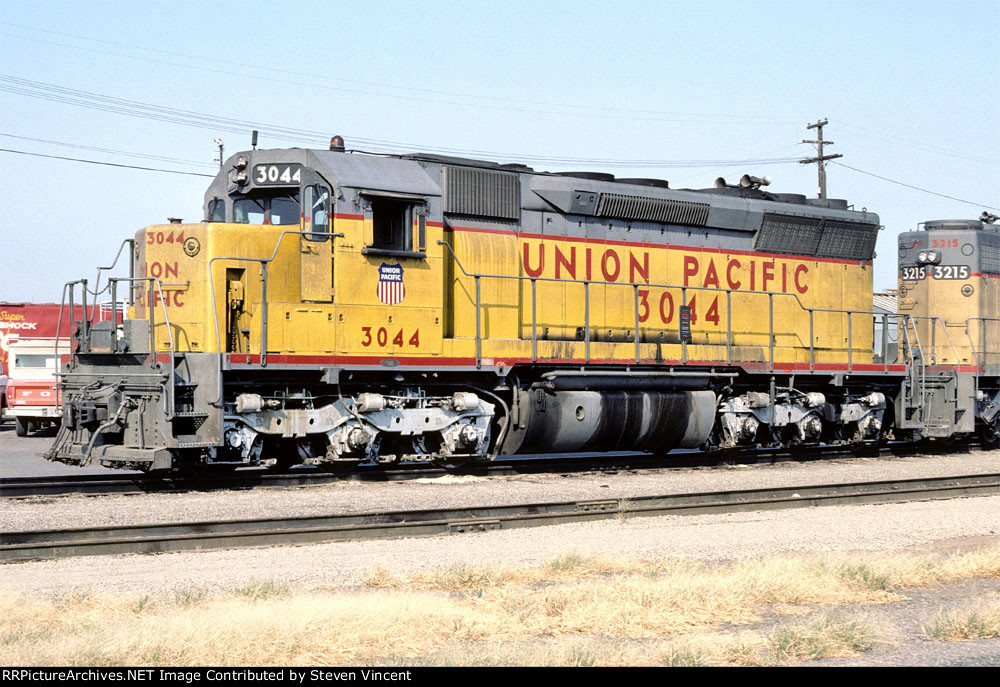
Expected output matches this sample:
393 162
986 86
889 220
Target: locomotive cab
303 256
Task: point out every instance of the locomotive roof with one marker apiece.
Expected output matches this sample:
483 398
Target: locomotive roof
423 174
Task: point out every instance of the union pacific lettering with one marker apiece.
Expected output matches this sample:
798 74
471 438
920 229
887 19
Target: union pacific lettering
606 262
763 275
673 266
165 270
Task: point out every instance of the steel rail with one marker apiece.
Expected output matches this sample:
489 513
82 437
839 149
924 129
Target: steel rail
138 483
158 538
123 484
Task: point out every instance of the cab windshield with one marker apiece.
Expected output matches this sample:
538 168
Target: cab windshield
279 209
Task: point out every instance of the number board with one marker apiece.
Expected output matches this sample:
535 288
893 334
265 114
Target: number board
277 175
951 271
937 272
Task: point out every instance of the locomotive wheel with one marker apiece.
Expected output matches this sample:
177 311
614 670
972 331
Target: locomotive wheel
990 434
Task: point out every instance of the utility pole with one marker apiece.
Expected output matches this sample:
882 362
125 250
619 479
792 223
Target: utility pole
820 158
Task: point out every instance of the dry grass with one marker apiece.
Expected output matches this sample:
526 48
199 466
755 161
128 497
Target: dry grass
826 637
982 622
573 610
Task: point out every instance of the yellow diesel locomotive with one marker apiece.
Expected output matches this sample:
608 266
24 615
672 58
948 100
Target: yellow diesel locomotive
336 308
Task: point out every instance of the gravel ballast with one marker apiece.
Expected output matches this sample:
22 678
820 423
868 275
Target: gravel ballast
971 522
457 491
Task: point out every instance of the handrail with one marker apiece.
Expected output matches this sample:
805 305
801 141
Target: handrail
112 282
934 320
972 344
152 331
131 268
923 362
477 277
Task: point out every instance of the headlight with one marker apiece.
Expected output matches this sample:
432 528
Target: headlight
922 257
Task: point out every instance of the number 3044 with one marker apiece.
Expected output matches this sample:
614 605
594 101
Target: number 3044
370 335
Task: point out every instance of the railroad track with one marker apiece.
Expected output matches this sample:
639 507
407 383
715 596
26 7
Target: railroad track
50 544
135 483
62 485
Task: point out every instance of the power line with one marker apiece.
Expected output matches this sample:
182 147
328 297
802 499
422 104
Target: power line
684 118
715 172
69 96
109 164
610 112
894 139
596 111
916 188
110 151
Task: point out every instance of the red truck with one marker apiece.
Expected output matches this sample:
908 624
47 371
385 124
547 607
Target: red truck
29 358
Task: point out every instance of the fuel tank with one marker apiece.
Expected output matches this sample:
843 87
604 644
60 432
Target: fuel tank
565 421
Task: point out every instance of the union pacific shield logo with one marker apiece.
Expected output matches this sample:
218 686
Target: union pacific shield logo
390 284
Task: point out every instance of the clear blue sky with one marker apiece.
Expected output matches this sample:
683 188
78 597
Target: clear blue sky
911 91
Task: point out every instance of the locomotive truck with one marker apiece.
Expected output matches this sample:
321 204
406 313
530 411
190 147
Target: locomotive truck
336 308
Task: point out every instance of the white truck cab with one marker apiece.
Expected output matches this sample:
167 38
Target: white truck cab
32 388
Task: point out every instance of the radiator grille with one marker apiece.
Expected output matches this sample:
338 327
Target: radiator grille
822 238
779 234
646 209
848 240
989 253
481 193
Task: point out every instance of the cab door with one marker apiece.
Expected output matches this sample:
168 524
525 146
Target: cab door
316 242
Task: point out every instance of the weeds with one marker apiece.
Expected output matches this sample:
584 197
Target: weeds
823 638
264 589
582 657
683 658
188 597
867 577
567 562
982 623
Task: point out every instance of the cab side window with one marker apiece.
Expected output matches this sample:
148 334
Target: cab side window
398 225
391 223
217 210
321 208
316 199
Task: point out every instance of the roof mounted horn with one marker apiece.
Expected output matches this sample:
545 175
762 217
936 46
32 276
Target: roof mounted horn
747 181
